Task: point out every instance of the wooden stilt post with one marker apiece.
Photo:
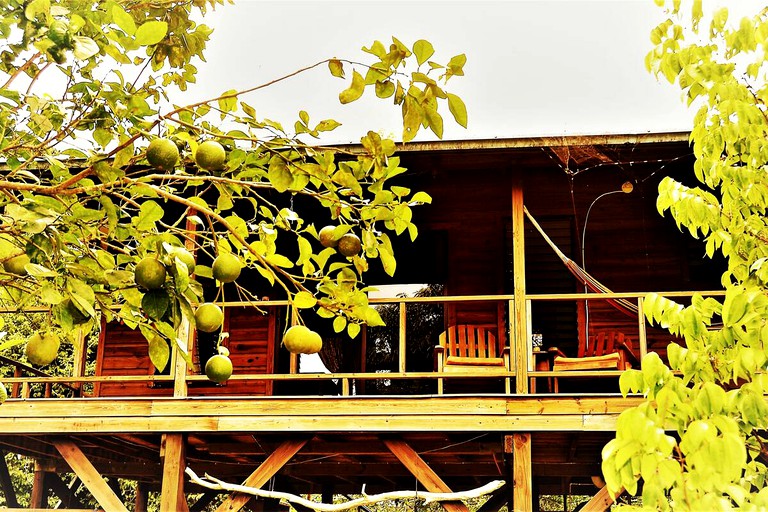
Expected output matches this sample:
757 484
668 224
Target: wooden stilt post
522 472
39 495
172 490
6 484
142 498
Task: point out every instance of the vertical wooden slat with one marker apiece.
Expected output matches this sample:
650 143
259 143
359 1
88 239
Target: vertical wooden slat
521 325
401 350
643 341
78 357
523 472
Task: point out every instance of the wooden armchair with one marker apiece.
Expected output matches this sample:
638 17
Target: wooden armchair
608 350
471 349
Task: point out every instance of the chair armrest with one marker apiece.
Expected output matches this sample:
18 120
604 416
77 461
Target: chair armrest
439 357
628 353
556 352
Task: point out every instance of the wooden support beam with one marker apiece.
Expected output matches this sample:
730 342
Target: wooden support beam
88 475
39 496
519 342
203 501
600 502
174 463
65 492
496 501
263 473
141 501
522 472
6 484
423 473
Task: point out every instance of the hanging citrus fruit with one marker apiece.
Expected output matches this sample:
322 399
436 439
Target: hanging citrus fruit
226 267
302 340
42 349
163 154
209 317
150 273
219 368
210 155
349 244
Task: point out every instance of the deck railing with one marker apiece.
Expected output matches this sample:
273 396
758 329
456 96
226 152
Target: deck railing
523 368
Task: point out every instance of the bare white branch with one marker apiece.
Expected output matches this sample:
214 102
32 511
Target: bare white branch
213 483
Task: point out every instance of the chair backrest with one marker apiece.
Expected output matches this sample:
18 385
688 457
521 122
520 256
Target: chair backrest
477 341
604 342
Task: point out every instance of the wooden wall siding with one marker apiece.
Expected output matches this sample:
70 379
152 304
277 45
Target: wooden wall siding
123 352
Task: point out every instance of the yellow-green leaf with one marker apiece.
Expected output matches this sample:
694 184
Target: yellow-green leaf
123 20
304 300
458 109
354 91
336 67
423 50
151 32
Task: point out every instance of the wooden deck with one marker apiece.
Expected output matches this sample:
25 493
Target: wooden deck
462 438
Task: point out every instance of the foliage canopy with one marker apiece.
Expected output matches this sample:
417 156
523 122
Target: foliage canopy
698 442
81 200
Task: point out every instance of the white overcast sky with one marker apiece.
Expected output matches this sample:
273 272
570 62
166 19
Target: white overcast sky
534 67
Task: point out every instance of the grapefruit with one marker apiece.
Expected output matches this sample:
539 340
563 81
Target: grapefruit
42 349
210 155
226 267
349 244
326 237
150 273
302 340
185 257
16 265
209 317
219 368
163 154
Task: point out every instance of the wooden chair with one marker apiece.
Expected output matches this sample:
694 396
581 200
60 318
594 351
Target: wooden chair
608 350
471 349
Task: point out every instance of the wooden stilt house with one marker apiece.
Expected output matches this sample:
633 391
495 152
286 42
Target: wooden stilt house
383 415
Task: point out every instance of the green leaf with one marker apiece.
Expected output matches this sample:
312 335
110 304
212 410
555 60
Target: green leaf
149 213
336 67
228 100
155 303
354 91
353 330
339 323
279 174
435 121
423 50
84 47
384 89
159 351
421 197
123 20
458 109
304 300
151 32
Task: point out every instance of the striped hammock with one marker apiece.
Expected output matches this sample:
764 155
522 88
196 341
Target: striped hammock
627 307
